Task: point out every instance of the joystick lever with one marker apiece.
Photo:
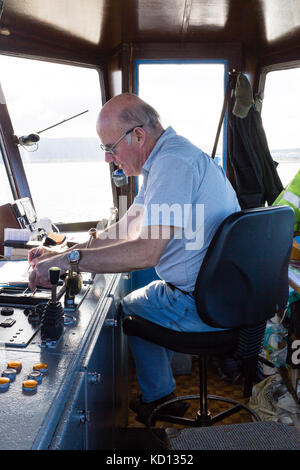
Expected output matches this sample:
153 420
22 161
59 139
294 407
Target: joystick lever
53 321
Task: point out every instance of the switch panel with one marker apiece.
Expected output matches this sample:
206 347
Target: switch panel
17 329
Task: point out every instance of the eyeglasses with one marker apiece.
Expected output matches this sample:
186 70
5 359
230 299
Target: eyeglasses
111 148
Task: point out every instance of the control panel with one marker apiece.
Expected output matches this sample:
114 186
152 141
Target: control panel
53 344
23 313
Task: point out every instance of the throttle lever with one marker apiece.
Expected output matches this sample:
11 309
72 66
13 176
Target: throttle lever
54 274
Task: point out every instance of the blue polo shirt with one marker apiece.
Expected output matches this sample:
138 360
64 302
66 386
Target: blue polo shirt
183 187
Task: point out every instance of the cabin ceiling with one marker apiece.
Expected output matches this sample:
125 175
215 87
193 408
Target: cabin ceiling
98 26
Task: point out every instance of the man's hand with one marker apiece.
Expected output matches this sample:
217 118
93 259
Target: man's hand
35 255
39 276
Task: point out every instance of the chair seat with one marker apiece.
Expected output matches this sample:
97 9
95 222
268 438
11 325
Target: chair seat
202 343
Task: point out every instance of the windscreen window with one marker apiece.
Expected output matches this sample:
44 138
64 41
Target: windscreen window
188 96
68 177
281 120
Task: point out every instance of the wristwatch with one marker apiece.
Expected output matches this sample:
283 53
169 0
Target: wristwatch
74 257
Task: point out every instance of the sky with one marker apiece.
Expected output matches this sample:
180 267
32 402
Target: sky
189 97
39 94
280 109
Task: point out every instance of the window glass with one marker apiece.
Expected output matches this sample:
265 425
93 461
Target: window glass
281 119
188 96
68 177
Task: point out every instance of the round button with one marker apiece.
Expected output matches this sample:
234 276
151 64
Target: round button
4 384
36 375
17 365
41 367
10 373
30 385
7 311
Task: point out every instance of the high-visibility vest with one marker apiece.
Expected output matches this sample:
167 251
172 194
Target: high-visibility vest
291 196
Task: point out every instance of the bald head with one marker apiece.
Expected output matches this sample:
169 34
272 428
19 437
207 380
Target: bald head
128 110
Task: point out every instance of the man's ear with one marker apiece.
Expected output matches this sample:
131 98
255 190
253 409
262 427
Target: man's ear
140 135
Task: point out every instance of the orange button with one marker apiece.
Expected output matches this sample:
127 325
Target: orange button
30 384
4 384
17 365
4 380
41 367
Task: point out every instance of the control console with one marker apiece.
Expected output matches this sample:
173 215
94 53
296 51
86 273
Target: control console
23 313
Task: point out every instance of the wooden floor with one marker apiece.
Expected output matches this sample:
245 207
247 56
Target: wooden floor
189 385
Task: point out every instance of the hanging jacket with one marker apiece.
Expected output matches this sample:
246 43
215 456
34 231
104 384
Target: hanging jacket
256 178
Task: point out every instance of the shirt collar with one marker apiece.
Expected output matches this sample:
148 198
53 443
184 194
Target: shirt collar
169 132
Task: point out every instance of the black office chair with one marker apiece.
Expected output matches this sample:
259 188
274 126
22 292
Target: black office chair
242 282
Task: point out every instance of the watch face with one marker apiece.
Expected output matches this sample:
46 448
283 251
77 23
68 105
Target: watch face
74 256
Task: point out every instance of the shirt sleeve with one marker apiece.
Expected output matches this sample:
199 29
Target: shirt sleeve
169 192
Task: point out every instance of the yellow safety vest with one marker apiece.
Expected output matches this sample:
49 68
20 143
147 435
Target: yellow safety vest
291 196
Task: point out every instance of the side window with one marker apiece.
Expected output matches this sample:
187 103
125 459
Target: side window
281 119
68 177
188 96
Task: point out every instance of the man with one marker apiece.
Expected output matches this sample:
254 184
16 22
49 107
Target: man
184 197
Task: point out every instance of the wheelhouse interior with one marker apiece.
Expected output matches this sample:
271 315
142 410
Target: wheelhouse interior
60 61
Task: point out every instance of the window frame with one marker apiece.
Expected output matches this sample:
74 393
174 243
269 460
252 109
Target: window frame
4 156
10 150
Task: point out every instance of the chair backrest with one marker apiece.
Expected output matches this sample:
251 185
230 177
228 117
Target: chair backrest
243 280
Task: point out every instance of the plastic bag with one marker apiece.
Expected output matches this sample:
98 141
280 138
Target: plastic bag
272 401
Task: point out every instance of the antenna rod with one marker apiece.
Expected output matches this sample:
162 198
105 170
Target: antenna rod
57 124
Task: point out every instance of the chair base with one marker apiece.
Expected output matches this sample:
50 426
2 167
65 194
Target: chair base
201 419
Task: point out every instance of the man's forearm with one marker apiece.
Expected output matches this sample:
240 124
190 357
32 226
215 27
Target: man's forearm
140 253
123 257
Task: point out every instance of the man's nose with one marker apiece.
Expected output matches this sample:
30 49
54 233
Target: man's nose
109 157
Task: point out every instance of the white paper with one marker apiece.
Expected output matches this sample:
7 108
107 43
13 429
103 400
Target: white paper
14 272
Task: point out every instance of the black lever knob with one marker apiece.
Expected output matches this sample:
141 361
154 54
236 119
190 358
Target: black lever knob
54 274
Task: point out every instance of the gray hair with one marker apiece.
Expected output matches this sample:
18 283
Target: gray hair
141 113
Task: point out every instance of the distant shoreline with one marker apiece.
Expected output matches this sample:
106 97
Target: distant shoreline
286 155
87 149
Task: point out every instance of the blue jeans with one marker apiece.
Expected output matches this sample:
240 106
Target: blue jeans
158 303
